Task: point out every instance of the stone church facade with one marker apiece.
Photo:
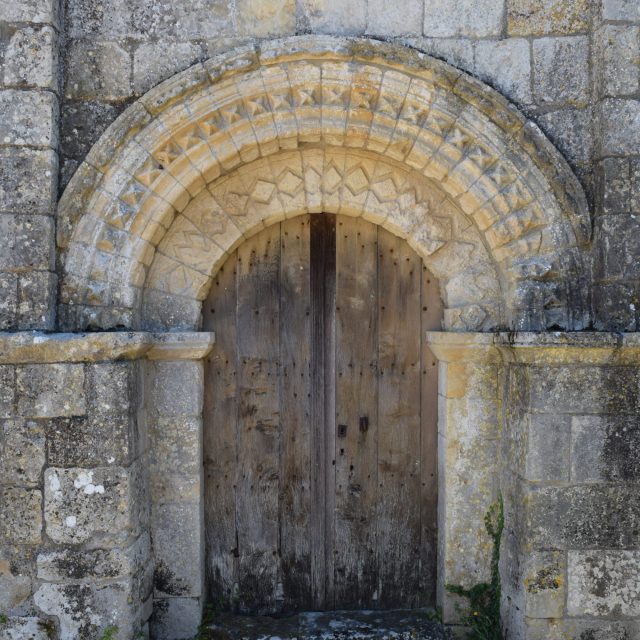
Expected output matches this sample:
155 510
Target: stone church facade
143 142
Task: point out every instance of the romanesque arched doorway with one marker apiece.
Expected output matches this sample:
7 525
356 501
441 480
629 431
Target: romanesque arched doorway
319 421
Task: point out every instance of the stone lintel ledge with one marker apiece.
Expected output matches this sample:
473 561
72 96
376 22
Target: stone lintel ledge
549 348
44 348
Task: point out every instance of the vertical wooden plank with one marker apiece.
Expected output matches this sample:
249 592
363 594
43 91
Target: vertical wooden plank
356 413
219 435
258 275
295 412
322 407
399 387
431 307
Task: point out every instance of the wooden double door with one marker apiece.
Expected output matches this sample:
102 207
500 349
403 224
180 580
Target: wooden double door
320 421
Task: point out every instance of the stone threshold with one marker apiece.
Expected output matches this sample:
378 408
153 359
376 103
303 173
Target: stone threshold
331 625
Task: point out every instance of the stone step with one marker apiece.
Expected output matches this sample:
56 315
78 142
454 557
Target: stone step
330 625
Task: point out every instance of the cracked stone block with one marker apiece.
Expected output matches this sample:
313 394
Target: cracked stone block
21 520
22 456
99 506
29 118
561 70
50 390
547 17
603 583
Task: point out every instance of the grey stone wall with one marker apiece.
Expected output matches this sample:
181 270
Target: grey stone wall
571 472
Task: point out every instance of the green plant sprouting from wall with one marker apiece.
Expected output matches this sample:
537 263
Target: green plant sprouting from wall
483 616
109 633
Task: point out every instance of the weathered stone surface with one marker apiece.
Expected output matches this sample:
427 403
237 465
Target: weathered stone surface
175 618
22 456
29 118
590 516
8 301
619 47
620 123
30 245
547 17
14 590
21 521
7 391
585 629
176 388
265 18
31 58
39 11
51 390
605 448
22 628
618 247
471 18
395 19
603 583
615 307
37 298
506 65
155 62
615 185
458 52
335 16
545 581
97 71
27 180
548 448
560 70
621 10
96 506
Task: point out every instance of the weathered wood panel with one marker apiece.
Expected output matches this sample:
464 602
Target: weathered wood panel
399 386
356 413
295 413
219 433
257 486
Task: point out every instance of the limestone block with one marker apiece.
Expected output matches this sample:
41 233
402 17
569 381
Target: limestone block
614 176
14 590
603 583
50 390
111 389
469 18
584 389
506 65
590 516
634 170
561 71
175 529
84 611
621 10
96 506
27 180
95 564
620 126
175 388
175 444
548 448
22 456
8 300
38 11
21 520
545 582
403 18
618 247
31 58
7 390
21 628
456 51
30 243
154 62
265 18
37 299
586 629
605 448
619 49
175 618
615 307
29 118
336 16
546 17
97 70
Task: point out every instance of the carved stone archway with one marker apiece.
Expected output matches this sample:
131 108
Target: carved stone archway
345 126
319 123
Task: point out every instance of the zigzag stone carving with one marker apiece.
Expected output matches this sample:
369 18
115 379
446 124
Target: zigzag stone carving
322 124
